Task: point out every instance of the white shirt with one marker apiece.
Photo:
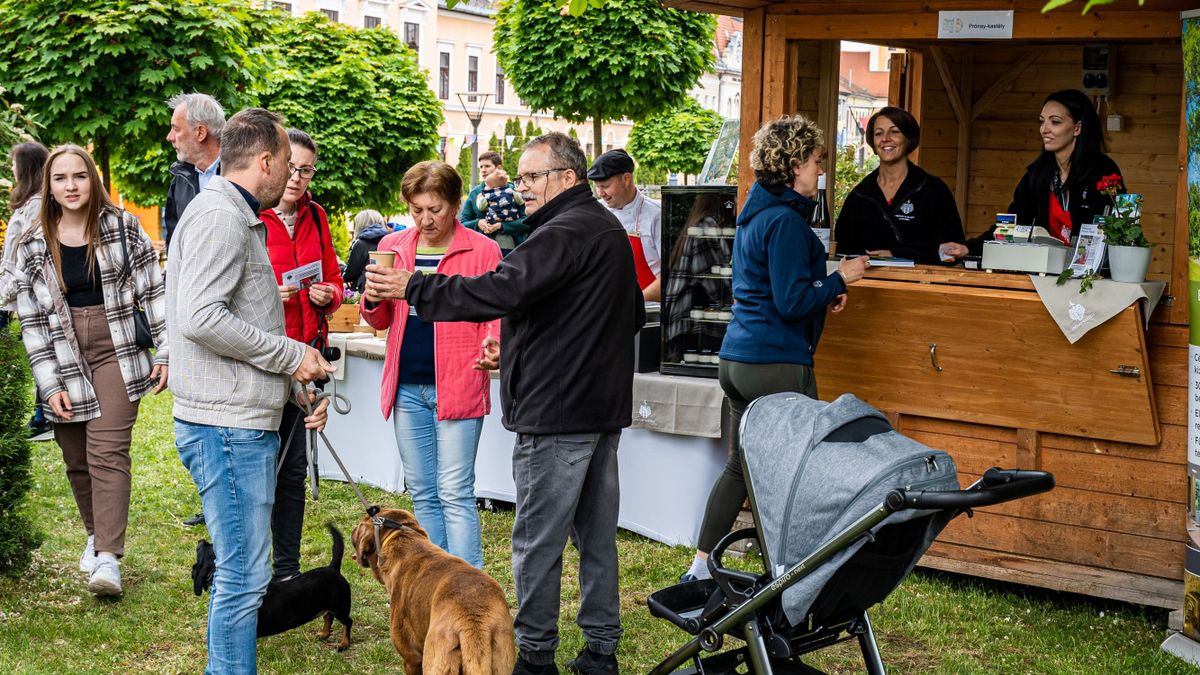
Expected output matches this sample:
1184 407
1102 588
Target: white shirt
644 216
208 173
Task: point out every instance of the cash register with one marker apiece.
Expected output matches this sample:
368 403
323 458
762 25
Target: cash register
1023 248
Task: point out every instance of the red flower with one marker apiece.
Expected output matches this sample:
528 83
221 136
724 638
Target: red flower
1111 183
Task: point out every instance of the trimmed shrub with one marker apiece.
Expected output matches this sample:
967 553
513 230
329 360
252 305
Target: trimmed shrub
18 537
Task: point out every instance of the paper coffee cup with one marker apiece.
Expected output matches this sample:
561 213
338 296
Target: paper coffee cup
382 258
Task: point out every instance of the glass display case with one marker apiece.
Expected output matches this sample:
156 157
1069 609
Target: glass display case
697 276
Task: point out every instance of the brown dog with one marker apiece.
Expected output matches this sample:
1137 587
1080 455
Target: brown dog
446 616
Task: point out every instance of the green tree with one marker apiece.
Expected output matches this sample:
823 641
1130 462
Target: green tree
464 167
339 231
849 173
512 154
496 144
98 71
532 131
18 536
16 126
1055 4
362 97
675 140
626 58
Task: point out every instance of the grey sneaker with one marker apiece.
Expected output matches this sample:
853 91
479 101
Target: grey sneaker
87 561
105 579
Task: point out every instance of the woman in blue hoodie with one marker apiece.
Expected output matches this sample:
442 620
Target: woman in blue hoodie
781 291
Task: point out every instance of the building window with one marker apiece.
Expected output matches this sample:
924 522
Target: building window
499 85
472 74
283 6
412 36
331 14
372 22
444 75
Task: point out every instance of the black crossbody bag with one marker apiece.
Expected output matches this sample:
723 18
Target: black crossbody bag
141 325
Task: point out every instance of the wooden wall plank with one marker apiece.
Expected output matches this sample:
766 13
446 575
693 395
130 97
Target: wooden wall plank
753 42
1067 543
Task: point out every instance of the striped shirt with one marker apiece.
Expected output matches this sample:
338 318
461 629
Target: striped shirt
416 352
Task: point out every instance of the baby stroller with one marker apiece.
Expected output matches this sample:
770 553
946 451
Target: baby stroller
844 507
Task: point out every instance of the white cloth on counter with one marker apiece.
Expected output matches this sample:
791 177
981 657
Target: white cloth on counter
688 406
1077 313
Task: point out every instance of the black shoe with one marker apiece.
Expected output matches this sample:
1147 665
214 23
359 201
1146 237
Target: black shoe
590 663
197 519
524 667
41 430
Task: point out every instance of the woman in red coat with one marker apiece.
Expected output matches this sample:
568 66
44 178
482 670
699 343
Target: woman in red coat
298 235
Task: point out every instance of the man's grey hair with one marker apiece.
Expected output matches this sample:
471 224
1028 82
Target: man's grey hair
201 109
248 133
565 152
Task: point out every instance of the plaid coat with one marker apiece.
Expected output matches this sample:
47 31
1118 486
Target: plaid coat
46 328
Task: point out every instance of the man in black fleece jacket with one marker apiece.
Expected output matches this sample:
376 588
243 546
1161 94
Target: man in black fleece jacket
571 306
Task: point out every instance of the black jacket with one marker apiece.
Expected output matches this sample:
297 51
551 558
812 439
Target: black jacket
185 185
921 217
571 306
1031 199
367 242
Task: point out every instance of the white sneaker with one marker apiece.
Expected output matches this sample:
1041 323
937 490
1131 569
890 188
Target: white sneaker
87 561
106 578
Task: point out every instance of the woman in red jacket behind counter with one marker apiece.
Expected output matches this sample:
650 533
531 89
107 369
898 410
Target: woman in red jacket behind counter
298 235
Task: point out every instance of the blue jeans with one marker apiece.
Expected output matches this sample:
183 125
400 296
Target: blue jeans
234 470
439 469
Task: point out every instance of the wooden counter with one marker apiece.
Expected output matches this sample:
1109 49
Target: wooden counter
1012 392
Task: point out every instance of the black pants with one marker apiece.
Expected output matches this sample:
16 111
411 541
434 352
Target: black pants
287 516
742 383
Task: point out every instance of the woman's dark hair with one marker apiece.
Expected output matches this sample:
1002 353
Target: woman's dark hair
297 137
904 121
1089 144
30 160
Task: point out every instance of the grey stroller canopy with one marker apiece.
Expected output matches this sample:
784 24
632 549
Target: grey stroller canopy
811 473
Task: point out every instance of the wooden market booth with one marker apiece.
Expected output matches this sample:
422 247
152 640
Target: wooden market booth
1007 389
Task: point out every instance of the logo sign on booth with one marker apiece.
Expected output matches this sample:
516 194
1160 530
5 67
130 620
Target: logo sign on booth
967 25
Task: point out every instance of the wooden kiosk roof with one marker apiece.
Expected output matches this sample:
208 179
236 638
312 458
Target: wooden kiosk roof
1115 525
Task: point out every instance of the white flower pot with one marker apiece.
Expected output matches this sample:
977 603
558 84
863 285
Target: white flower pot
1128 263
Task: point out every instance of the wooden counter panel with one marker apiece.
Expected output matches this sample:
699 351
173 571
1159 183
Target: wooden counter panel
1172 449
1096 510
1133 477
1004 361
1060 576
1068 543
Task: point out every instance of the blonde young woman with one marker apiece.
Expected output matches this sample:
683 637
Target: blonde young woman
83 270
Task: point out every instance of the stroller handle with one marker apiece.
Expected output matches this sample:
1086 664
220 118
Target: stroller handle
996 486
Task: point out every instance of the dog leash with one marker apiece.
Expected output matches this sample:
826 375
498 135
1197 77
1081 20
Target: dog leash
337 400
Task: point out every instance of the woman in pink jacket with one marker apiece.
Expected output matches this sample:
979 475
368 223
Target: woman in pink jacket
435 380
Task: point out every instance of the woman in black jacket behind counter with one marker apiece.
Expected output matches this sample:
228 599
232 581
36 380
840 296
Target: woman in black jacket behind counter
899 209
1058 190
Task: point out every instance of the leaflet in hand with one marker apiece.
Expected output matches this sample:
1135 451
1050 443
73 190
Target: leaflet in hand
303 276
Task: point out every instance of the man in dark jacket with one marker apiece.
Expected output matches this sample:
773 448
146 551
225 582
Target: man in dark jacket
571 307
196 123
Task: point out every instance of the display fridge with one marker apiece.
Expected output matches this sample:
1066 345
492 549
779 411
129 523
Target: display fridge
697 276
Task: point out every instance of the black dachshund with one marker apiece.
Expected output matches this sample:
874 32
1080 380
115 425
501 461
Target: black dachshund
295 601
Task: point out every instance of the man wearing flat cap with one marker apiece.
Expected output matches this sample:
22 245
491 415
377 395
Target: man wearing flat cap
612 174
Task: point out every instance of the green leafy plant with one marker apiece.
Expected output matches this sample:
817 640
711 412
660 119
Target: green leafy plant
18 536
364 100
675 140
1193 220
1122 225
626 58
1055 4
99 72
849 173
1085 282
464 167
16 126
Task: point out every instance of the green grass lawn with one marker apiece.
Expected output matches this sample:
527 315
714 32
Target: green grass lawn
49 623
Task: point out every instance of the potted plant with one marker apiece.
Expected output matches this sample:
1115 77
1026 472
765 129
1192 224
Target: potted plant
1128 250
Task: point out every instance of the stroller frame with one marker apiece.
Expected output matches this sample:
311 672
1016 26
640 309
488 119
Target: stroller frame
996 486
